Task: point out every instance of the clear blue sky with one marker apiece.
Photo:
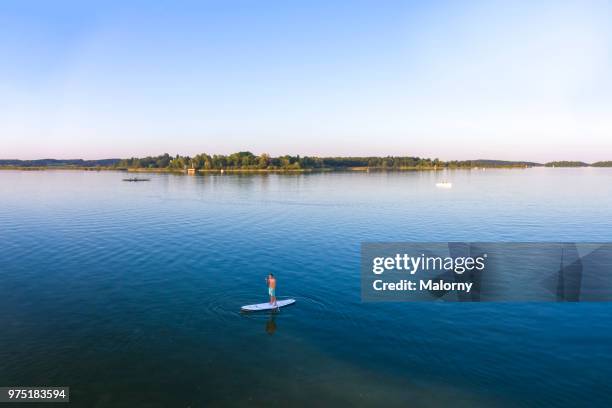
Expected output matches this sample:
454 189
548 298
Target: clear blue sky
456 80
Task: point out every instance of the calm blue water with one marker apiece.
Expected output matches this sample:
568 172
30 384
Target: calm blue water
129 293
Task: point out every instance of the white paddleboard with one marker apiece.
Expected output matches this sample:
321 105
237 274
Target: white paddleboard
268 306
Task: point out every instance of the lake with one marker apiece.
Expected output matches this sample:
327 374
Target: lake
130 293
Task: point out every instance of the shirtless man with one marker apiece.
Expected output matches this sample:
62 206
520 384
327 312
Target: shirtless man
271 281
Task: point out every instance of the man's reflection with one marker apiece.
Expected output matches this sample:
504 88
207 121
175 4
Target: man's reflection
271 324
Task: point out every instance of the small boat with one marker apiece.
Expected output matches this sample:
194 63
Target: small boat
444 184
136 179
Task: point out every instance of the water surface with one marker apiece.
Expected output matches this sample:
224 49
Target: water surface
129 293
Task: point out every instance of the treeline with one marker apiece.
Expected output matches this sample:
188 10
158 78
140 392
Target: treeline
250 161
567 164
203 161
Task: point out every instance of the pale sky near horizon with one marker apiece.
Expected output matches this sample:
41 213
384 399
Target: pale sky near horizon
507 80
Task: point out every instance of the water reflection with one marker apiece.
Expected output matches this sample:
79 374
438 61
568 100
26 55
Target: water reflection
271 323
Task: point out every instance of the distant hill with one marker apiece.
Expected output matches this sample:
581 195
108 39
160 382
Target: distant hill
59 163
567 164
602 164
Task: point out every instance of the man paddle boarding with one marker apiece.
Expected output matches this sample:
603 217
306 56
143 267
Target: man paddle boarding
271 281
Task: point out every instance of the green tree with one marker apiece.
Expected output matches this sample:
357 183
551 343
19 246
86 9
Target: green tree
263 161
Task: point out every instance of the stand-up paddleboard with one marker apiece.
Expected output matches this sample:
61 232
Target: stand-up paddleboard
268 306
